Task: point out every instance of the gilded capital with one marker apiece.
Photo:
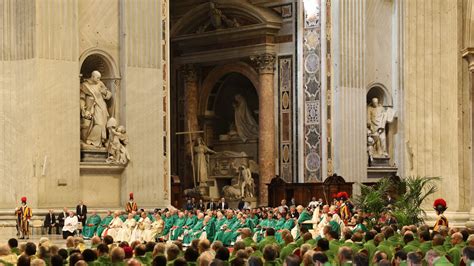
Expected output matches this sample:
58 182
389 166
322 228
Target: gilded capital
265 63
189 72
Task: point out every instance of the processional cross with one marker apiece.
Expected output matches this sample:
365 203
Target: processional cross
190 135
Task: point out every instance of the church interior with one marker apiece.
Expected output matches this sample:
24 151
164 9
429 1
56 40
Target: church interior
247 100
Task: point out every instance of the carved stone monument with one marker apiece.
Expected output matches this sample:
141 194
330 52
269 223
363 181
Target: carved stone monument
201 161
117 143
245 124
94 113
378 118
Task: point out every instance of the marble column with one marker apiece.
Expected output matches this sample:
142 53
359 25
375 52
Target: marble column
266 140
191 103
468 55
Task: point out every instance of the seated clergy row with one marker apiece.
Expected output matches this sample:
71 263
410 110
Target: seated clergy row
129 227
227 226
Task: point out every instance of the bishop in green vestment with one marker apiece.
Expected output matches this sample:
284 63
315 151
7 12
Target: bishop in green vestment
178 226
104 223
195 229
91 225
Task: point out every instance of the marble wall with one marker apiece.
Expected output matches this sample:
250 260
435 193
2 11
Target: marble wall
437 99
414 49
366 47
42 44
349 89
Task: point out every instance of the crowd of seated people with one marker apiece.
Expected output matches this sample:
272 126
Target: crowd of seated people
284 235
380 246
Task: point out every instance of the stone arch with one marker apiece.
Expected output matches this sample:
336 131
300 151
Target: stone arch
104 61
381 92
235 8
220 71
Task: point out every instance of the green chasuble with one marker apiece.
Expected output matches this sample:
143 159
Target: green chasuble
425 246
278 227
169 221
385 247
335 227
287 250
370 246
123 217
443 261
360 227
219 223
197 228
248 241
229 236
221 233
178 227
305 216
456 253
91 225
210 229
103 224
268 240
151 217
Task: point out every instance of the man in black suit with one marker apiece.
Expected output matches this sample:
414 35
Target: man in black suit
223 205
62 216
211 205
201 206
81 212
50 222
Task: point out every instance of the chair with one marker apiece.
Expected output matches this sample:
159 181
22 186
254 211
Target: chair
36 224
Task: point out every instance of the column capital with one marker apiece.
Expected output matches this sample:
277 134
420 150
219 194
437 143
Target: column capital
265 63
468 54
189 72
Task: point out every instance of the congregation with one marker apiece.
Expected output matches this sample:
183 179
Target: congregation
214 234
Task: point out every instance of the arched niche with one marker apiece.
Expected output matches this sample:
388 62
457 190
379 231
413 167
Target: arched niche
379 91
104 63
215 76
220 100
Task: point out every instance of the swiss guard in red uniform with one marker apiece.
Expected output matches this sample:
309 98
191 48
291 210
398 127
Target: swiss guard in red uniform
344 207
440 206
131 205
24 214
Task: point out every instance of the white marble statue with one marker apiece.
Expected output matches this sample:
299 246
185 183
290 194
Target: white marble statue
94 113
378 117
247 182
117 143
201 160
245 124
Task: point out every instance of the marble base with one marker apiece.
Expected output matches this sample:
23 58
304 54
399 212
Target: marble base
99 155
380 162
380 172
380 167
100 168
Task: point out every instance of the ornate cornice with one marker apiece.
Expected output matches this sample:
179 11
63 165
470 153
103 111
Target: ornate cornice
264 63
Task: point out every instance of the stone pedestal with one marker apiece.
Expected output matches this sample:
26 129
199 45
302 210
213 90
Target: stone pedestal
266 145
97 156
380 167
